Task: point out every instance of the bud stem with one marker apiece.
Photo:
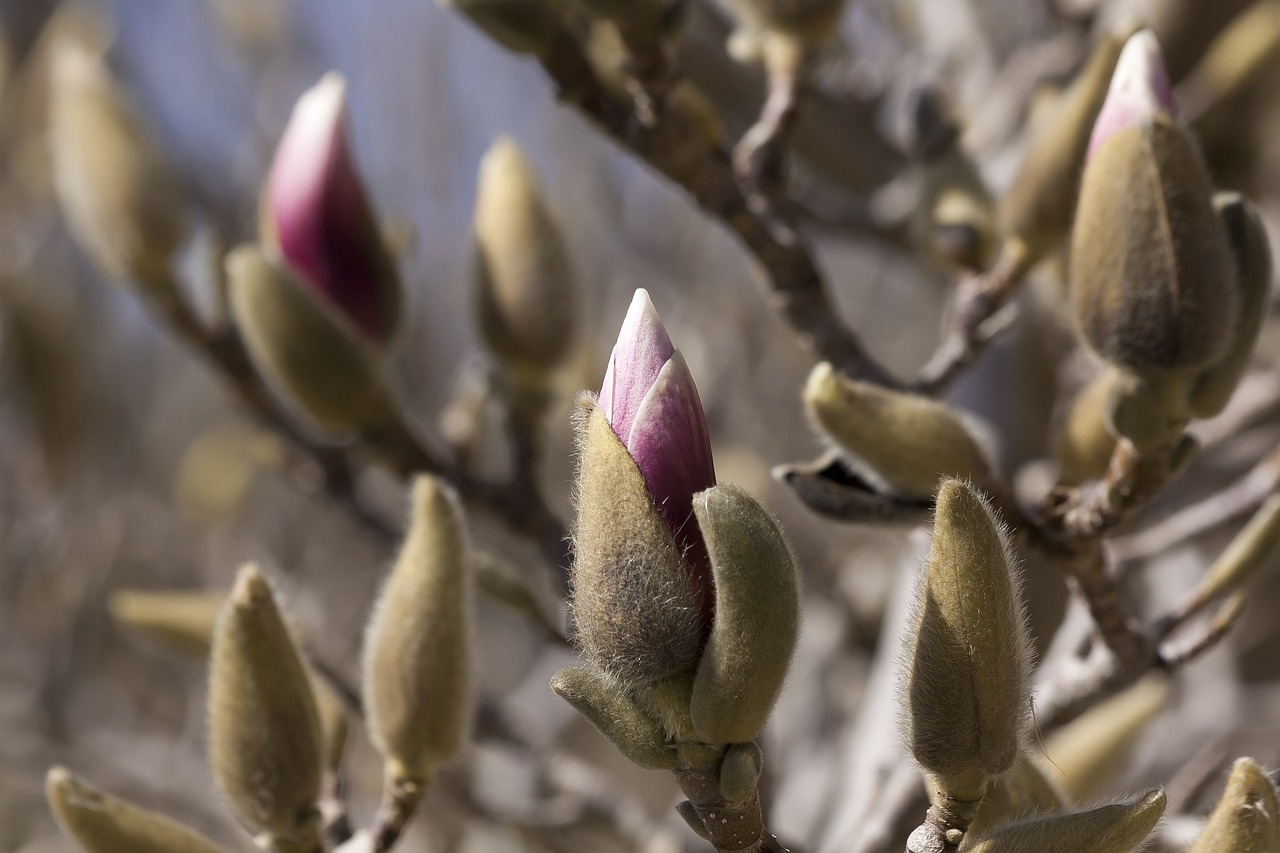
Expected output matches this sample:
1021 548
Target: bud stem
400 800
732 826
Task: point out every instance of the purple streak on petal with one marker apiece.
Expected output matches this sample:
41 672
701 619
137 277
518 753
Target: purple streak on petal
1139 91
321 216
669 442
642 349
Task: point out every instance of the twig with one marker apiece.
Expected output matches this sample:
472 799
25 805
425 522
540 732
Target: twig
731 826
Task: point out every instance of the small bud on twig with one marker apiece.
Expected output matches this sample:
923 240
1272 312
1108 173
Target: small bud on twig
1116 828
1247 817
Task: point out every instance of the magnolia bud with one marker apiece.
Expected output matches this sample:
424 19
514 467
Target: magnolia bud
522 26
905 442
101 823
1150 265
1084 443
965 692
182 622
122 203
1023 790
740 771
311 354
757 617
265 740
417 661
1247 817
524 285
640 738
1149 408
1116 828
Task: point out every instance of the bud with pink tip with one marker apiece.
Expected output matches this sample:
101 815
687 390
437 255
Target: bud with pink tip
1139 90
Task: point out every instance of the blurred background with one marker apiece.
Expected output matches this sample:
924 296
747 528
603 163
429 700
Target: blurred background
125 464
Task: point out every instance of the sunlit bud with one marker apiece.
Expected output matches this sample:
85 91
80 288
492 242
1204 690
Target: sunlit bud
176 621
904 442
316 214
1116 828
417 659
1139 91
965 693
638 736
1247 817
101 823
522 26
265 739
525 289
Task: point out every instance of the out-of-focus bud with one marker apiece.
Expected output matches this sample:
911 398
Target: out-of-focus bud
1149 254
1035 214
904 442
783 32
122 202
1084 442
1023 790
640 738
1116 828
317 216
1248 238
965 693
265 740
1088 754
1247 817
757 617
309 352
1149 408
417 660
178 621
524 284
522 26
101 823
643 598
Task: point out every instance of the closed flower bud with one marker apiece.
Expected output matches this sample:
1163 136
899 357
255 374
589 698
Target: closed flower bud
1247 817
1151 269
1025 789
522 26
524 285
101 823
417 659
265 740
177 621
1116 828
904 442
740 771
122 202
965 692
317 217
757 617
311 355
640 738
1089 753
1084 443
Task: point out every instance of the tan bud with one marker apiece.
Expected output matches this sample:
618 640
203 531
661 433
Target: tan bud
905 442
757 617
1151 270
1116 828
306 350
1088 754
640 738
965 692
101 823
635 612
265 740
1149 408
180 622
1084 443
121 200
1247 817
740 771
524 284
1023 790
417 657
1036 211
521 26
333 720
1252 550
1248 239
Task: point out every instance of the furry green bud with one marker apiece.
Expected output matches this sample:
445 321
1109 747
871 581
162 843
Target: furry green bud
417 660
1248 239
101 823
181 622
524 285
265 739
521 26
640 738
757 617
1116 828
904 442
740 771
310 353
1089 753
965 691
1247 817
1023 790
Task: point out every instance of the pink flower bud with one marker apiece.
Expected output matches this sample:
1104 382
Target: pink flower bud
651 402
317 216
1139 91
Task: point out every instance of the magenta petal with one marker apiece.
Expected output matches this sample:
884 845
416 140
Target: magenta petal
319 212
1139 91
642 349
